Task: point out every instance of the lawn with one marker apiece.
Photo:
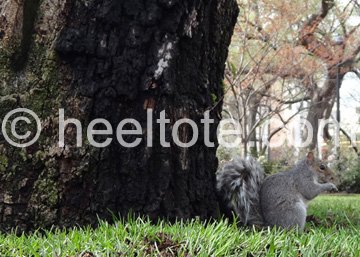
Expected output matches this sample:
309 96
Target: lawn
332 230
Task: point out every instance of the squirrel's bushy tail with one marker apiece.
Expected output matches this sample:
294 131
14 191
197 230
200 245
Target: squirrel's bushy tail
239 183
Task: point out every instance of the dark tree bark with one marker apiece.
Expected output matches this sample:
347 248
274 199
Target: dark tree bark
111 59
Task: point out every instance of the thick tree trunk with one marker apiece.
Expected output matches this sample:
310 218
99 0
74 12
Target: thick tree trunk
322 102
111 59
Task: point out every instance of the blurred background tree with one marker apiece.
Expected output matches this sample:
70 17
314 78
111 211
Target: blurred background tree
285 61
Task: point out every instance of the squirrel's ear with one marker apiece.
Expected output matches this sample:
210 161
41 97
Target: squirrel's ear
310 158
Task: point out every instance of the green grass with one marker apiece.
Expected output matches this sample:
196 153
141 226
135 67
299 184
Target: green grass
334 231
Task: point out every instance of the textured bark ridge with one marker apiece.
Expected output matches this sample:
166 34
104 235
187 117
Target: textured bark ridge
114 60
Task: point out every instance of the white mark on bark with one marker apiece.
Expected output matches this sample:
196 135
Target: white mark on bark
191 23
165 55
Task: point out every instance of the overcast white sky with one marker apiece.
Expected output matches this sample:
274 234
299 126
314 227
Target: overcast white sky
349 90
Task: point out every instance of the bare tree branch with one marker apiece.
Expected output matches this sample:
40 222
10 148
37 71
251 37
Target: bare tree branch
307 98
307 33
356 72
353 145
277 130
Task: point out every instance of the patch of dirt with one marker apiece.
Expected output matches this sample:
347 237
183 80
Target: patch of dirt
317 221
160 244
164 245
87 254
84 254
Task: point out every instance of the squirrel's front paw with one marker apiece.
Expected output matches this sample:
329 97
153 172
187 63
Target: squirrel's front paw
332 188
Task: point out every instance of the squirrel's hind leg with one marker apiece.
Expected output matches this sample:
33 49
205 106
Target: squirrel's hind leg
291 217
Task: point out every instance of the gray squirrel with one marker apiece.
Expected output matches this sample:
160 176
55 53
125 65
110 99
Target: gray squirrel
279 199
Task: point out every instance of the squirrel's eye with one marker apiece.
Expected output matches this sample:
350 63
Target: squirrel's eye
322 167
